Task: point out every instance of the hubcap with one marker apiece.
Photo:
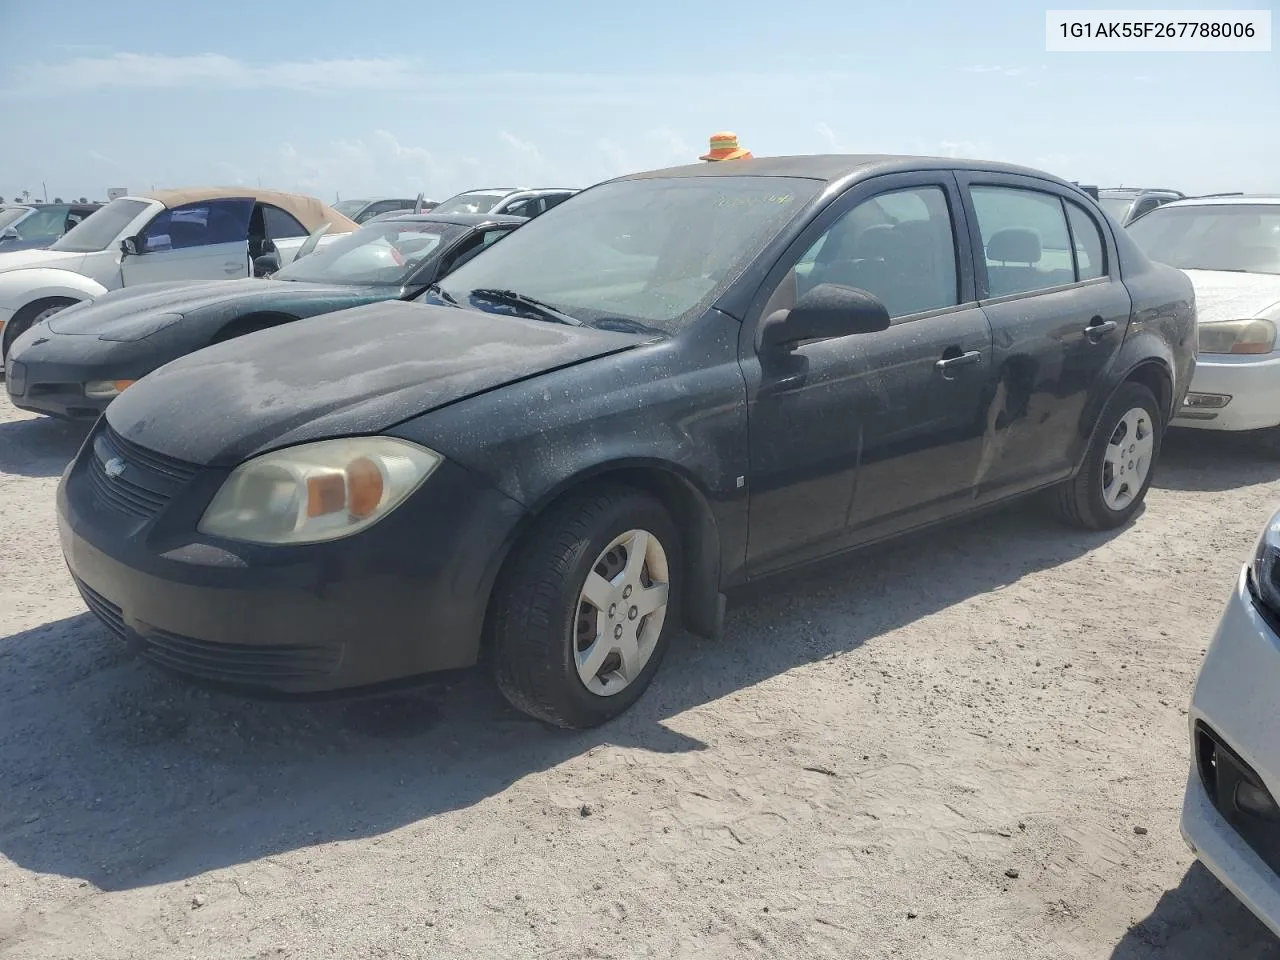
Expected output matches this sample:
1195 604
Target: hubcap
1128 459
621 610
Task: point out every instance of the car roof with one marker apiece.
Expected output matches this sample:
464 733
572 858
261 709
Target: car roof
1263 199
832 168
457 219
309 211
1138 191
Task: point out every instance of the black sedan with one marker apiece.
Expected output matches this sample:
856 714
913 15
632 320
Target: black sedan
76 362
671 385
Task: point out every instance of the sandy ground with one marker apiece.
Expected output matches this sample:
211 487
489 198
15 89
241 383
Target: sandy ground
855 771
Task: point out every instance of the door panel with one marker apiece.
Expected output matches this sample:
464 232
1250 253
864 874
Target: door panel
1055 336
207 240
865 433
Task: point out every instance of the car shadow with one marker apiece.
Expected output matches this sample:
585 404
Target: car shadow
1210 461
1198 919
123 776
39 447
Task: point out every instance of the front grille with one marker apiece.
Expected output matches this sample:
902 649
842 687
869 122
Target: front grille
1223 772
237 663
111 616
241 664
133 480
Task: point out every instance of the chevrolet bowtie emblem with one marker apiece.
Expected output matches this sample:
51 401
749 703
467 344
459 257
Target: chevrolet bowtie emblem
113 467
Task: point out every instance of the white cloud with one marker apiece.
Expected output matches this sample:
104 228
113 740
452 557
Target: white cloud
1003 71
215 70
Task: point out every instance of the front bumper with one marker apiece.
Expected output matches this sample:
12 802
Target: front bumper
1234 700
404 597
1252 383
49 376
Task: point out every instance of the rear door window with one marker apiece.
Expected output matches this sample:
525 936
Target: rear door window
1026 240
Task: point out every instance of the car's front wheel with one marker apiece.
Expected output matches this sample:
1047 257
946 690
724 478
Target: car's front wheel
585 609
1117 470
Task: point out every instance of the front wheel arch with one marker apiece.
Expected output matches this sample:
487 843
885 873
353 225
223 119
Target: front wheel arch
702 604
26 316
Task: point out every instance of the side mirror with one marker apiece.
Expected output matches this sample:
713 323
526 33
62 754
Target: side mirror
827 311
266 264
10 233
131 246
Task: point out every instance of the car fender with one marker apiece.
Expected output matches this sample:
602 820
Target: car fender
657 417
18 288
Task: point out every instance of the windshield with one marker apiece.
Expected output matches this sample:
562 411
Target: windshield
1118 207
101 228
11 215
653 252
386 252
1241 237
470 203
47 223
349 208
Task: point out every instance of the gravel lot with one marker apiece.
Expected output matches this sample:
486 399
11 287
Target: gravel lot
941 749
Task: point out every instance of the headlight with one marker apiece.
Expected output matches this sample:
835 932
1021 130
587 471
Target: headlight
142 330
317 491
1238 336
1265 572
104 389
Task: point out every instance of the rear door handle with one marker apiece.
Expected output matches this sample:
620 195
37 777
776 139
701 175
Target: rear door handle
1099 328
947 364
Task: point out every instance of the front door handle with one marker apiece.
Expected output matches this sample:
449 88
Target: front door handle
947 364
1098 328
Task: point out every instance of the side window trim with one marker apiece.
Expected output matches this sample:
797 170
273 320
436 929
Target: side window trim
837 207
968 179
1075 246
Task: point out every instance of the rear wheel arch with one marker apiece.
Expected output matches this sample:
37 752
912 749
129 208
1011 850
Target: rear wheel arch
1154 374
251 323
690 512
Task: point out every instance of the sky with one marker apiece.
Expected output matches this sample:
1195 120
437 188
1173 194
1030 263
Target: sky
340 99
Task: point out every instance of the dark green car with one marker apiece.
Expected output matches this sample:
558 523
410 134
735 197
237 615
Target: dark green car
75 362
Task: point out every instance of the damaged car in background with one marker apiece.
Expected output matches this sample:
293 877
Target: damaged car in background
1230 248
74 363
195 234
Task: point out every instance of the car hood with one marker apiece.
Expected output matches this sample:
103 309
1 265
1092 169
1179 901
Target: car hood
22 259
358 371
119 311
1227 295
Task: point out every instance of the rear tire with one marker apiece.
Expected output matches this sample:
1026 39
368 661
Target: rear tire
1119 464
28 317
576 662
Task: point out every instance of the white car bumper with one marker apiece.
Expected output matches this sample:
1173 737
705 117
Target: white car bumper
1235 698
1248 389
5 316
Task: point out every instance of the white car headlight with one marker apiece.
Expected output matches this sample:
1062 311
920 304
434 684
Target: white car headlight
1263 568
317 491
1238 336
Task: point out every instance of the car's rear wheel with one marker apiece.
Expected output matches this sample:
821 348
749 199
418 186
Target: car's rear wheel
28 317
1117 470
585 609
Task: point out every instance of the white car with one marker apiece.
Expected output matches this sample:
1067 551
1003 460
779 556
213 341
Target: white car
1230 817
1230 248
198 234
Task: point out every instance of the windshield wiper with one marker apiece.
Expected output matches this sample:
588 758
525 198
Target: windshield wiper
513 299
440 292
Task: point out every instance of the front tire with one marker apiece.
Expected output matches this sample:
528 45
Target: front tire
1119 464
585 609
